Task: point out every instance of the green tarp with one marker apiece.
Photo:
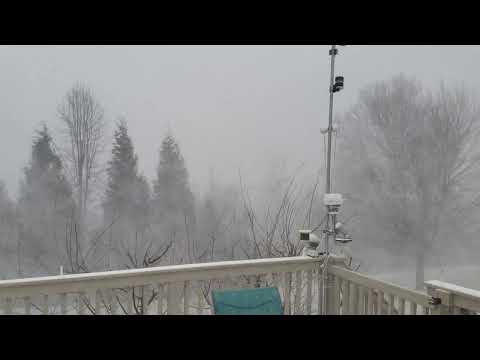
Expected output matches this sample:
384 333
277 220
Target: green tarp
258 301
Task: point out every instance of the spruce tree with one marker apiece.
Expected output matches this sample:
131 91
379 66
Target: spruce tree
123 179
45 203
173 196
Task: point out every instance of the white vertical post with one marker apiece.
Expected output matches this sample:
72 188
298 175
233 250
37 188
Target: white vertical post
379 302
186 297
173 299
391 300
63 304
81 305
370 302
28 305
336 296
160 295
361 300
287 278
309 292
98 305
353 305
401 306
45 305
8 306
298 289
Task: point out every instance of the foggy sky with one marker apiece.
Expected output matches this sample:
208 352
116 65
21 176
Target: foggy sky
230 107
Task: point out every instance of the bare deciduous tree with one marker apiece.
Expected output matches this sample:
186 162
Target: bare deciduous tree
84 129
417 154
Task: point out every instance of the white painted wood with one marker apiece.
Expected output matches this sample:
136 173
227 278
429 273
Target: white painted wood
8 306
200 299
462 297
413 308
287 289
186 297
379 302
81 303
160 297
71 284
370 302
391 303
129 302
401 307
28 305
173 298
75 283
319 291
345 297
353 304
298 292
112 300
63 304
379 285
45 305
337 283
98 302
361 301
309 295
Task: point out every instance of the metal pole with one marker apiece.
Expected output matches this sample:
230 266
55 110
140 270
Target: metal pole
328 187
330 119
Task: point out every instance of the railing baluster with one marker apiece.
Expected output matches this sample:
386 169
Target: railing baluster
353 306
379 302
320 290
199 299
160 295
391 300
28 305
336 290
345 296
130 300
63 304
186 297
8 306
309 292
113 301
401 306
370 302
413 308
298 290
173 299
81 304
287 287
45 305
361 300
98 305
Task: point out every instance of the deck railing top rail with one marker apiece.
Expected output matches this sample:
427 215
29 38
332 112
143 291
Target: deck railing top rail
138 277
454 297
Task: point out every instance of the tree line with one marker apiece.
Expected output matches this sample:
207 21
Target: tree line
406 162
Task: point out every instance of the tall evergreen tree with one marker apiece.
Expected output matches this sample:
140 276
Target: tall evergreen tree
171 188
122 193
127 199
45 203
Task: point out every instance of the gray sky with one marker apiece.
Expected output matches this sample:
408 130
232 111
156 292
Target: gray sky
230 107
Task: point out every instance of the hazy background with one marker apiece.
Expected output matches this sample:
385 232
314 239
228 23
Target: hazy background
248 108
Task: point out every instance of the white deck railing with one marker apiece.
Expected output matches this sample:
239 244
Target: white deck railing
186 289
455 300
357 294
180 289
